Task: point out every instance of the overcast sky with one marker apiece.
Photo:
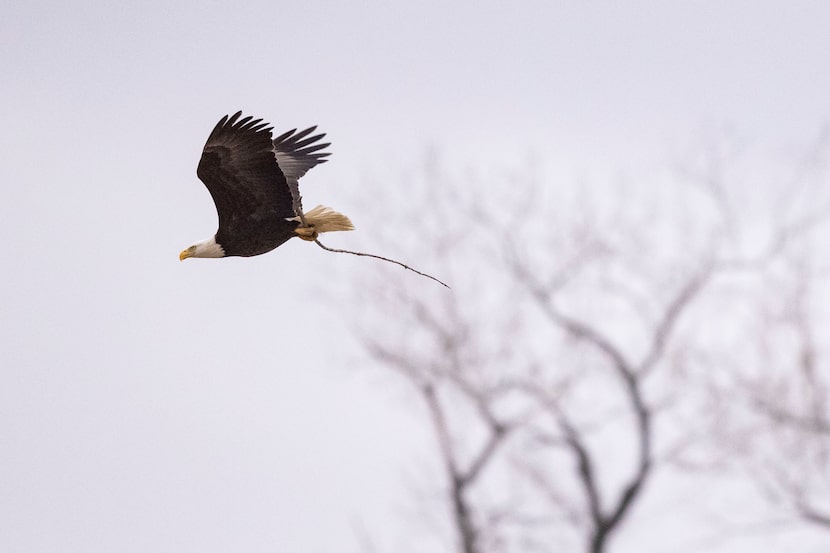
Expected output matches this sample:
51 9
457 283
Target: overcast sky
213 406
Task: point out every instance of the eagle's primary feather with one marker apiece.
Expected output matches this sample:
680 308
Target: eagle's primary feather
296 156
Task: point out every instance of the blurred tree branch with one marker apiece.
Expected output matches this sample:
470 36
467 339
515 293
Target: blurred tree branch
561 343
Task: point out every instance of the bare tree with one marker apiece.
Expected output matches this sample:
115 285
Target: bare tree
768 401
549 374
781 397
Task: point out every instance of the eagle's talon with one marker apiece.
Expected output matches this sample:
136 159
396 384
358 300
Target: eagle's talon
307 233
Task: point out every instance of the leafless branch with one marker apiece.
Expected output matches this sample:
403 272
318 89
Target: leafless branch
812 515
673 311
361 254
781 416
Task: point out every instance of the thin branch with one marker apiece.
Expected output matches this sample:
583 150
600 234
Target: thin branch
585 467
551 493
498 430
399 363
480 461
812 515
782 416
577 328
675 308
439 422
786 234
458 483
361 254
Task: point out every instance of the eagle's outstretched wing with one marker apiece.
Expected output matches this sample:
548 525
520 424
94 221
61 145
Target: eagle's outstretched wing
295 155
240 171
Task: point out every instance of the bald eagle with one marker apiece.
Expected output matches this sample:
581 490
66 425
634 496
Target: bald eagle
253 181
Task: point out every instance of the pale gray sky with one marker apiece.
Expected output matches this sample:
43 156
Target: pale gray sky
153 405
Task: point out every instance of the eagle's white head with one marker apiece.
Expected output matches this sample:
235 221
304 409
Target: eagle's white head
205 248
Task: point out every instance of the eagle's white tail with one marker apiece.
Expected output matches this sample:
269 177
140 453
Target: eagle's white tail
322 219
325 219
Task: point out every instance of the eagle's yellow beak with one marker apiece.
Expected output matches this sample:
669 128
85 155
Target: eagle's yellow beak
185 254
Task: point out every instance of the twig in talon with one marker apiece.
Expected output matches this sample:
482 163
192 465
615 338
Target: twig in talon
361 254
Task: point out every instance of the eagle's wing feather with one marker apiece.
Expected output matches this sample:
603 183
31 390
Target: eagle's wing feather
295 155
240 171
